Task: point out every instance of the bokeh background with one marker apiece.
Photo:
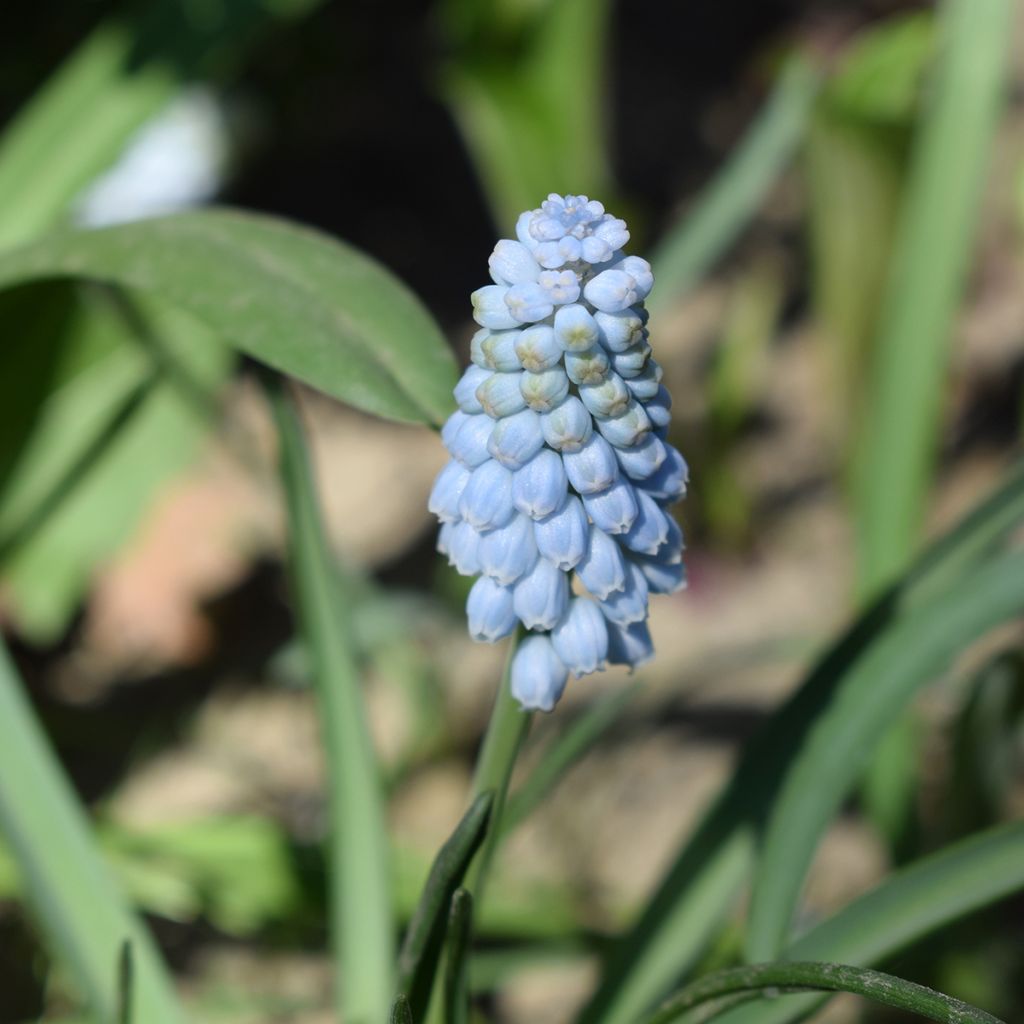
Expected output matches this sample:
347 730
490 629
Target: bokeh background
150 616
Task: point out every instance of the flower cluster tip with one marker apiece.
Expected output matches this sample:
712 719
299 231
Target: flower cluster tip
561 476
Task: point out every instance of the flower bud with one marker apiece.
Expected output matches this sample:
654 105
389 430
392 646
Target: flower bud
540 486
489 611
541 597
581 637
486 500
537 675
563 536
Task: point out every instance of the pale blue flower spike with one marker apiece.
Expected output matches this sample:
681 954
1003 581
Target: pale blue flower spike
560 465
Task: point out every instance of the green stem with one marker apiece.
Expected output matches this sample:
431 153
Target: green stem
823 977
506 731
360 899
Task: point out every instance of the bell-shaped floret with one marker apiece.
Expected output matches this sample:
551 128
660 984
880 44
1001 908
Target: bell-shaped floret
581 637
611 291
602 570
508 553
490 611
662 577
469 445
564 536
568 427
619 331
668 482
498 351
629 645
640 270
592 468
447 490
659 407
631 361
640 461
575 328
645 385
528 303
465 390
464 549
512 263
588 367
609 398
629 604
500 395
649 530
537 676
486 500
490 309
546 390
538 348
613 509
628 428
540 598
515 440
540 487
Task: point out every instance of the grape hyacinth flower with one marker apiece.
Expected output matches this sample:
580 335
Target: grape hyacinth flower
561 477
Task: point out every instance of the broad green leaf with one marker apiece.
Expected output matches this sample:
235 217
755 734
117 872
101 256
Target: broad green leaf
689 250
64 878
527 93
291 297
929 267
424 940
830 756
927 895
102 377
709 871
360 898
786 977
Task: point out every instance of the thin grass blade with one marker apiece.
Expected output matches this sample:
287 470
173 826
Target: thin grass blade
360 897
64 879
926 281
690 250
786 978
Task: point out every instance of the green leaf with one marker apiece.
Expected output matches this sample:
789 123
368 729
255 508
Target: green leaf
360 899
424 939
460 926
929 267
64 878
709 870
786 978
102 378
827 761
293 298
907 906
689 250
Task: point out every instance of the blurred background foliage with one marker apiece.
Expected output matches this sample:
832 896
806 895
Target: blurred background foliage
832 194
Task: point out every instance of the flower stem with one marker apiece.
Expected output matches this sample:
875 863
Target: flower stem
506 731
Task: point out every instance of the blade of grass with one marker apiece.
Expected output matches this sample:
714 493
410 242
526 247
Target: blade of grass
578 740
456 986
400 1012
689 250
64 878
121 415
126 984
787 978
424 940
360 901
926 281
927 895
708 872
